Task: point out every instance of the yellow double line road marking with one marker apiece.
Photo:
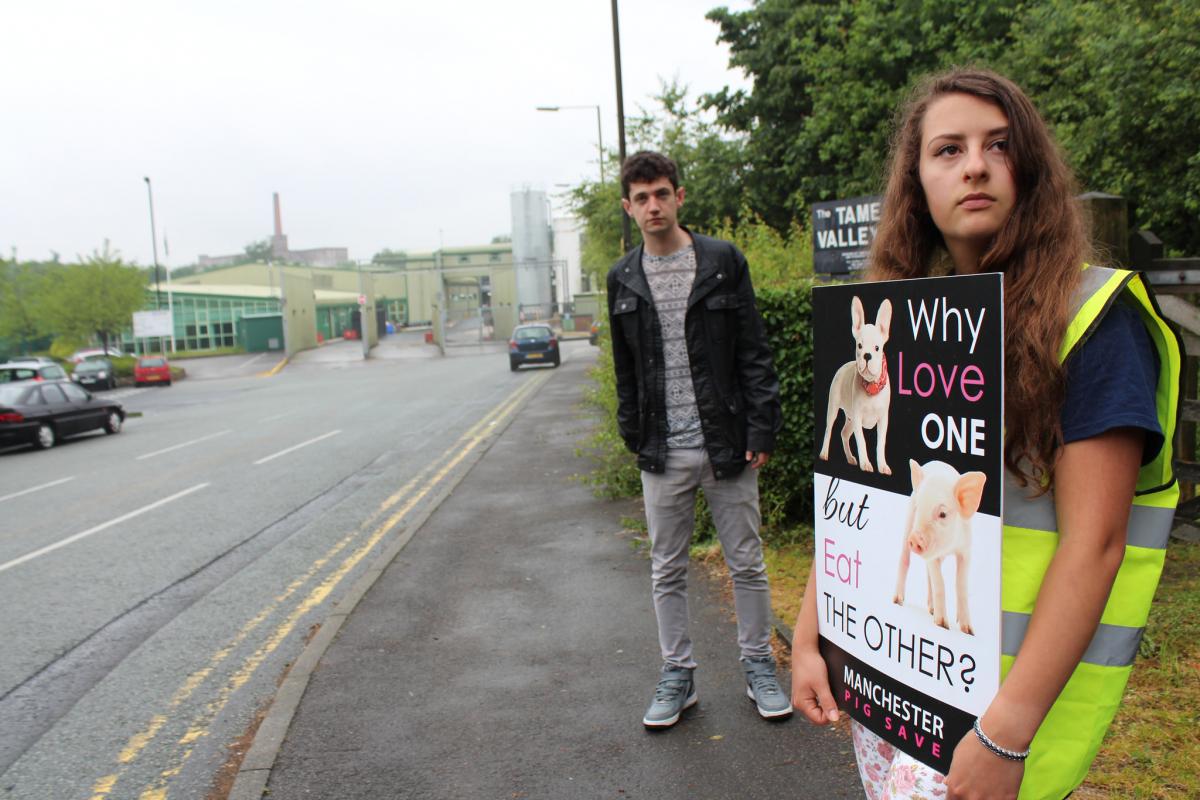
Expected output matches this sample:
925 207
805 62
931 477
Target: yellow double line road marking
407 497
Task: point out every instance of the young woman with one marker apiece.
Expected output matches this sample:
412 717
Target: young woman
1091 390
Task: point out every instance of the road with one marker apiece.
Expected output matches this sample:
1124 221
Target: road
157 584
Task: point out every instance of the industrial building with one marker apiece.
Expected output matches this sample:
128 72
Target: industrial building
467 294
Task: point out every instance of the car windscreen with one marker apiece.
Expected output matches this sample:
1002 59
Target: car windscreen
11 394
151 362
532 333
92 366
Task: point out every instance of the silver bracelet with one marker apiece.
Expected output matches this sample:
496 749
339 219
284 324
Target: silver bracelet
1003 752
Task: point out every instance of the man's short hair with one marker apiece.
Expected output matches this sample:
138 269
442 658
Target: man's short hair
646 166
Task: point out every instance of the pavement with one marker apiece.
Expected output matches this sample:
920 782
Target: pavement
508 650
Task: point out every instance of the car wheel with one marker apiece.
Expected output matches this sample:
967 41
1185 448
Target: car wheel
168 383
512 365
45 437
113 423
557 361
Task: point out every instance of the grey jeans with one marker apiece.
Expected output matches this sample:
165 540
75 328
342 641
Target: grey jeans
670 512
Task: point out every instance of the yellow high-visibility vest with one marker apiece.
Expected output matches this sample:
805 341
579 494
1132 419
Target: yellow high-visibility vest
1068 739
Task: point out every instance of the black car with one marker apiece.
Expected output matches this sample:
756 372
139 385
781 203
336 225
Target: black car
532 344
95 373
43 412
33 370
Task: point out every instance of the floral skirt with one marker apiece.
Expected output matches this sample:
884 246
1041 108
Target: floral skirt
889 774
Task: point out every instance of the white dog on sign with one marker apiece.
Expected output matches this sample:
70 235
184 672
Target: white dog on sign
861 390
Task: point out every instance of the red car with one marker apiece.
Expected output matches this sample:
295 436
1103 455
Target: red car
152 369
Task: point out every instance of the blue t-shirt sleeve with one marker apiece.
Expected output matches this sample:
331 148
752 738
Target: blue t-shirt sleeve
1112 381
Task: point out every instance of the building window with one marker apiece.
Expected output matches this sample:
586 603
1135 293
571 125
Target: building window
464 259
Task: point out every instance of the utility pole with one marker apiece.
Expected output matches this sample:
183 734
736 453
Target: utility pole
154 244
626 231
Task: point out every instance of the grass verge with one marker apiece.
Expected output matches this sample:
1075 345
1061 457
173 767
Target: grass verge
1153 747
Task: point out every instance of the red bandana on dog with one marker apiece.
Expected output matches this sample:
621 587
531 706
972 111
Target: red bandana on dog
874 388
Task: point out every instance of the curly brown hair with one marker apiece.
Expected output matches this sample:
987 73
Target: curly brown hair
646 166
1040 249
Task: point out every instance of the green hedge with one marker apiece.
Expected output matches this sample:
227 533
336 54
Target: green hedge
785 484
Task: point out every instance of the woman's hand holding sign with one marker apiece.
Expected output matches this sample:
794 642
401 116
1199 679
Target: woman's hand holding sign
810 676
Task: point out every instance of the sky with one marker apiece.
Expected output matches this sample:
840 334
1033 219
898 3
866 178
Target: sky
394 124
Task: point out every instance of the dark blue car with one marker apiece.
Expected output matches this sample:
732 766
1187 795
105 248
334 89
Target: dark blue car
533 344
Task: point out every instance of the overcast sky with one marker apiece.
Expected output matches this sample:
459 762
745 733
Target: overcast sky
379 123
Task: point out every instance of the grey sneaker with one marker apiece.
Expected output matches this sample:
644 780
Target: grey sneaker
763 688
674 693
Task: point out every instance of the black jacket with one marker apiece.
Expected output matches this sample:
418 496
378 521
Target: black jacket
737 391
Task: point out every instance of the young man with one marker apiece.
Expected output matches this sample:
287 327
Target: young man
698 402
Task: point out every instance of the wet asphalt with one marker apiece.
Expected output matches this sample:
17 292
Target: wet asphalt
510 649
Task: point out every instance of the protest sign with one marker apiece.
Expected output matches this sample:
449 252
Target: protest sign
909 387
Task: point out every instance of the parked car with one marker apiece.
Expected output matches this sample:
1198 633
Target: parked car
533 344
594 333
95 352
95 373
152 369
45 413
15 371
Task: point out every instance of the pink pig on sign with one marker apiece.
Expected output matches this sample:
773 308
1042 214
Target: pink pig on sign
939 525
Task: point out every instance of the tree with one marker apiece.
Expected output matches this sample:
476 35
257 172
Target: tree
828 76
711 166
22 301
95 297
1118 87
712 162
1122 93
257 252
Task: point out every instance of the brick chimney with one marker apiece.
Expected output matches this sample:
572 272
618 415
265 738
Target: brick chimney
279 245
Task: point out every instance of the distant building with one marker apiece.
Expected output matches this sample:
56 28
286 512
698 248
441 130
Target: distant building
280 252
567 247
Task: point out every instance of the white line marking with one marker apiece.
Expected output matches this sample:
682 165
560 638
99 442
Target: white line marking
177 446
279 416
252 360
98 528
36 488
296 447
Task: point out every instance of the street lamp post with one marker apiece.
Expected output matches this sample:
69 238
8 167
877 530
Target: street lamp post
154 244
626 231
599 130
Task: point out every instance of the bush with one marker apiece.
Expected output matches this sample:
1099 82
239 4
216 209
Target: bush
785 487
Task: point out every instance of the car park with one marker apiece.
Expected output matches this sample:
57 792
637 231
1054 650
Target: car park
15 371
533 344
44 413
95 373
152 369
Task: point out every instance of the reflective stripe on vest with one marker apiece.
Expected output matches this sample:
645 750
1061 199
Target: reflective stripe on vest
1069 737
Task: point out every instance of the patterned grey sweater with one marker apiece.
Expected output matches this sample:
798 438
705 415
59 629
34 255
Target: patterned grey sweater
671 278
